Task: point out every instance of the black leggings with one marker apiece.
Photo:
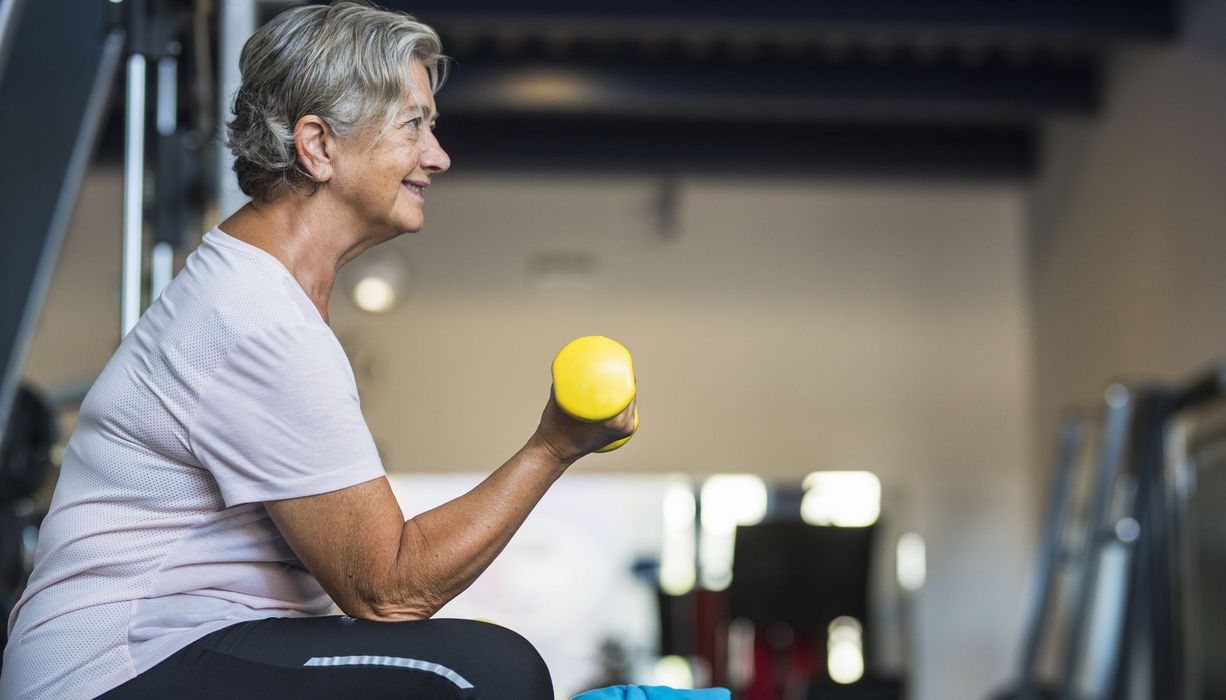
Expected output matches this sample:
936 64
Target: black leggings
340 657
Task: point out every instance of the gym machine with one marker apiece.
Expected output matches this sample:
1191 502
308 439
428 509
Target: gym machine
1133 541
59 62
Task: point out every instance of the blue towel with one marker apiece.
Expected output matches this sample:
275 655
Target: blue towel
653 692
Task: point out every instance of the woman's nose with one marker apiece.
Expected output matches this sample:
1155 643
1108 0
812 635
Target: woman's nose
433 158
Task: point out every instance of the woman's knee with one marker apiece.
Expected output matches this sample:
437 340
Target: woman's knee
503 642
506 657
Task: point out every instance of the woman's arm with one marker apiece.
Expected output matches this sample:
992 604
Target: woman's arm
377 566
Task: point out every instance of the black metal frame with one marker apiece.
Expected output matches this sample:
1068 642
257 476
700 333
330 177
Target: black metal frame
76 46
53 137
1176 656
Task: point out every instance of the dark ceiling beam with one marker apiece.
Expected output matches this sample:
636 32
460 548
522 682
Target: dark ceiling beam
771 89
1082 20
735 149
594 145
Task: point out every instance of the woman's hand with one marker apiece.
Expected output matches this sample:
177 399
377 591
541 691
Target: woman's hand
569 438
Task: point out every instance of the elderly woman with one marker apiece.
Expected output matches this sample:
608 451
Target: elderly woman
221 494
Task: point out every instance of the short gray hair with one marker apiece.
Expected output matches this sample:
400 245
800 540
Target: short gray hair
347 63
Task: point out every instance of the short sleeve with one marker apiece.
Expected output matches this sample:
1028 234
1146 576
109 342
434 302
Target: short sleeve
280 418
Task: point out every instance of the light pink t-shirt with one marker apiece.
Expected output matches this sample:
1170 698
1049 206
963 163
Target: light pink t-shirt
230 391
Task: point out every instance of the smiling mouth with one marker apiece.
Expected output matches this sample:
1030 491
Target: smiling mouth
418 190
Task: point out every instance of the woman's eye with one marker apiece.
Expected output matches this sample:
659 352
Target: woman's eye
414 123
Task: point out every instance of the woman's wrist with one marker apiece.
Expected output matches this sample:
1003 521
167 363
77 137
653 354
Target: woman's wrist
542 449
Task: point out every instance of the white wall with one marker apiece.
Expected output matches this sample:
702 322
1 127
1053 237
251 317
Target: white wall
789 326
1129 226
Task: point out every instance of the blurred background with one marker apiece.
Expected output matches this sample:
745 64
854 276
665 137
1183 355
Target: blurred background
924 301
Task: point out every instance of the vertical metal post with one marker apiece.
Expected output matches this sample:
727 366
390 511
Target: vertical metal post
161 268
133 194
237 24
162 263
133 170
1071 434
1119 408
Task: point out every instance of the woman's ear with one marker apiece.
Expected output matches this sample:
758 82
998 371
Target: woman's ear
316 146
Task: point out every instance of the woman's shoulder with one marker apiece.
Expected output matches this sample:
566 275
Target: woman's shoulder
238 287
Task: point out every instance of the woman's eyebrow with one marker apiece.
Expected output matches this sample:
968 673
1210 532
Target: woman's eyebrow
426 113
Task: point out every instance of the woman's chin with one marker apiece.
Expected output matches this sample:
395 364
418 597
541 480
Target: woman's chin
411 223
404 226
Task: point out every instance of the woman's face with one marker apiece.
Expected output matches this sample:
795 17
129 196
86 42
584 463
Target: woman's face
385 184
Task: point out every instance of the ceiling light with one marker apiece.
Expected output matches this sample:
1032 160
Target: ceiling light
374 294
377 281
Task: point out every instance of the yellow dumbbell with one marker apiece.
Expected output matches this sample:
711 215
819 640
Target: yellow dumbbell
593 380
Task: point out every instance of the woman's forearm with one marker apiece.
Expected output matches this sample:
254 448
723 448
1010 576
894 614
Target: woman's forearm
443 550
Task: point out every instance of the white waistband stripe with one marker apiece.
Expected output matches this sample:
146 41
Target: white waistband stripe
395 661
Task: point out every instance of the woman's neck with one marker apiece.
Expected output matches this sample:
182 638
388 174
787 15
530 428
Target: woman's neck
294 230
